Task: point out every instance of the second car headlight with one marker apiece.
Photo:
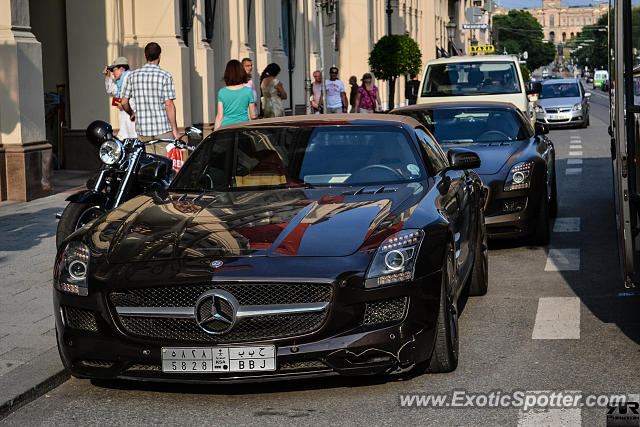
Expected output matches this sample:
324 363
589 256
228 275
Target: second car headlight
110 152
577 107
394 259
538 109
71 269
519 176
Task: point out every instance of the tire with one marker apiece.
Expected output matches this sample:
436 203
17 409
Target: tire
479 281
553 203
542 235
445 350
75 216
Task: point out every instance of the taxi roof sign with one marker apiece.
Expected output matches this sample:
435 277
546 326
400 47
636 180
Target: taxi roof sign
482 49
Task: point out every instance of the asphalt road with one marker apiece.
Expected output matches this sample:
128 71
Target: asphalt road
555 319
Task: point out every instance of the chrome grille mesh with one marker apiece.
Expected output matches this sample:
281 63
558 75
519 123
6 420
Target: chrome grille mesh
78 318
384 311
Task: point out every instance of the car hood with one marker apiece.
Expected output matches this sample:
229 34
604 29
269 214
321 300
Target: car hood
493 155
559 102
288 222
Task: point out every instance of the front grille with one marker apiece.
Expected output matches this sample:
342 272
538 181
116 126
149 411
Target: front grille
96 364
304 365
249 294
384 311
77 318
246 329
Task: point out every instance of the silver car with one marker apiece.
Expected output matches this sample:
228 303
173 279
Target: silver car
563 102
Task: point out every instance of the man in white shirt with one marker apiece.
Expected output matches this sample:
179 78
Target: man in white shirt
120 71
336 94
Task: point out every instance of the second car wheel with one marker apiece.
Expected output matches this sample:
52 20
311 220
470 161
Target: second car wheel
445 350
479 281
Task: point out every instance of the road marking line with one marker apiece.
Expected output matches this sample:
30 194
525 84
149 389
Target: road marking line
557 318
573 171
574 161
578 137
567 225
567 259
550 417
575 153
575 147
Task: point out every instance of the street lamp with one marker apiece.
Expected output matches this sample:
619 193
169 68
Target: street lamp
451 33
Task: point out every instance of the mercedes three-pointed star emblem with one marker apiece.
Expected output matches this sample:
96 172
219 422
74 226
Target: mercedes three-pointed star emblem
221 317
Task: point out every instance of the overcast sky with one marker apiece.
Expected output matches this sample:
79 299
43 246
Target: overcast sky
521 4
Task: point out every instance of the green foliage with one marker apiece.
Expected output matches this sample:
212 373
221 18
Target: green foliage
517 32
394 55
594 53
526 75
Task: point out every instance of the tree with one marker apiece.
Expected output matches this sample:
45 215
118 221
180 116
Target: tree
590 47
518 31
394 55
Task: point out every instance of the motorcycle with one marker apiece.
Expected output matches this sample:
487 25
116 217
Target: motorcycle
127 170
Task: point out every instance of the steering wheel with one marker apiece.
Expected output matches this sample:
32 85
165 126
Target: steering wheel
377 166
491 135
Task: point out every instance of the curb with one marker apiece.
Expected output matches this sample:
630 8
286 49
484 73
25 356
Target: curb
30 381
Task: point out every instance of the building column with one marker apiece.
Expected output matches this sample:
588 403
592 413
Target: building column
203 89
25 156
263 53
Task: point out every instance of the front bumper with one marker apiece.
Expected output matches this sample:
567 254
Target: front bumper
95 344
563 117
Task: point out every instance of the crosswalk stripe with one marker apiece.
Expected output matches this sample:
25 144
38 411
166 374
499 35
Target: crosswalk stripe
567 259
566 225
557 318
574 161
550 417
573 171
575 147
575 153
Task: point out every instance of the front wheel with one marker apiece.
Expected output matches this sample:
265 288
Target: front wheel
75 216
480 273
542 234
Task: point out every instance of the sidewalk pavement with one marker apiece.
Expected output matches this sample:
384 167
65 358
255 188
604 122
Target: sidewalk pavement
29 360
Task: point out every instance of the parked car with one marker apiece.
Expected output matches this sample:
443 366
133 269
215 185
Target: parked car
283 248
563 102
491 78
518 162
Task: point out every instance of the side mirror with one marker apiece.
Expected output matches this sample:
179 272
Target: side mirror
541 128
533 88
194 134
460 158
587 95
153 172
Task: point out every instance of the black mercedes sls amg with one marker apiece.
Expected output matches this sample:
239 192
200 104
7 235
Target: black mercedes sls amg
284 248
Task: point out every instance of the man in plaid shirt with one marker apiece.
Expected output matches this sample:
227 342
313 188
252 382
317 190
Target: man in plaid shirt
153 91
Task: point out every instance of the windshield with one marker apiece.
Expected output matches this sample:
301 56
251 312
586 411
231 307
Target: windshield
286 157
471 78
472 125
560 90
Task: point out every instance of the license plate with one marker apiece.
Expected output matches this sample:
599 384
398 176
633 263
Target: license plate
219 359
557 117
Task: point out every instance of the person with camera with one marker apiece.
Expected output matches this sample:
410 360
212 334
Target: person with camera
114 76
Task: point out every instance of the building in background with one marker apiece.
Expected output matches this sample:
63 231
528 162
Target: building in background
53 53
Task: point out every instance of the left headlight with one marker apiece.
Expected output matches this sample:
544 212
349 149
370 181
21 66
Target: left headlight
538 109
110 152
577 107
72 269
395 259
519 176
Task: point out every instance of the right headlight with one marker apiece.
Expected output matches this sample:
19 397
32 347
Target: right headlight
110 152
519 176
71 269
538 109
395 259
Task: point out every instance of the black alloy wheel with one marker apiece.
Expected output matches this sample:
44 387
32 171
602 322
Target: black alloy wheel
479 281
553 203
542 234
445 351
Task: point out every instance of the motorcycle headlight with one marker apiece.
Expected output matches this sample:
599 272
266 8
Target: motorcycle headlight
538 109
110 152
577 107
395 259
519 176
72 269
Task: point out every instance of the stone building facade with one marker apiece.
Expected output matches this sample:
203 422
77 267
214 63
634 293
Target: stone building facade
57 49
562 22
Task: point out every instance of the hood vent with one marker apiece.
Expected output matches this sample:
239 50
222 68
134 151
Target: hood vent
370 190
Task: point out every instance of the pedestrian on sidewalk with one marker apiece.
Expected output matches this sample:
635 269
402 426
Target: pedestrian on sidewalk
353 82
119 70
272 91
235 100
336 95
411 89
316 100
247 64
152 91
368 98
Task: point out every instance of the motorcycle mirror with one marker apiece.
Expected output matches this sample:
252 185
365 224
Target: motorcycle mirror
193 131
